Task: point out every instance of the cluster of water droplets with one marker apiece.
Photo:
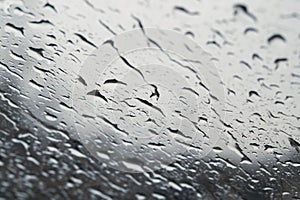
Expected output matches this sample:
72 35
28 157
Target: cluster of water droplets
255 47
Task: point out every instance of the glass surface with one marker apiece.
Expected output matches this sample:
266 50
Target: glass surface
149 99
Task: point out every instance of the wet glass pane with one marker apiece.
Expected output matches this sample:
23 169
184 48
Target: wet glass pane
149 99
